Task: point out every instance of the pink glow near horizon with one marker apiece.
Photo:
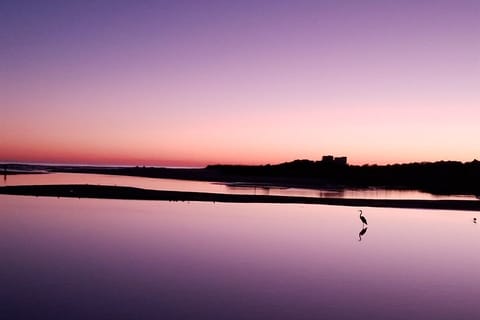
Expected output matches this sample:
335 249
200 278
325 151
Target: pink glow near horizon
252 83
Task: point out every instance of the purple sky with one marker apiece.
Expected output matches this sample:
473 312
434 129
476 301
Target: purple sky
198 82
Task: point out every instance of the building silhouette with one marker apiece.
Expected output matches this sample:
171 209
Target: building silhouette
329 159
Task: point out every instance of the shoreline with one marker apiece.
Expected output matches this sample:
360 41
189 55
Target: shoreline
131 193
438 178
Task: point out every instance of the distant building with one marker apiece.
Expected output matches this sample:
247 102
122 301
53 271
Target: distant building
327 159
340 160
337 160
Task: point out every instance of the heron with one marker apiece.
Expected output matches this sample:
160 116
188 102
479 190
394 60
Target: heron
362 218
361 233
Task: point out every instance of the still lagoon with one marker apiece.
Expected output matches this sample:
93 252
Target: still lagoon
118 259
215 187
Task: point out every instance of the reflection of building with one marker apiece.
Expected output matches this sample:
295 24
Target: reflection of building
337 160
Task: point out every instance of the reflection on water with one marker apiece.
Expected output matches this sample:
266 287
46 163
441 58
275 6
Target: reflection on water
362 233
113 259
204 186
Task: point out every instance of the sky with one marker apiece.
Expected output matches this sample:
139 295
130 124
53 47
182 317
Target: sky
191 83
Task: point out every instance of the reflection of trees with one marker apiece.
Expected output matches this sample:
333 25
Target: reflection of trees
332 193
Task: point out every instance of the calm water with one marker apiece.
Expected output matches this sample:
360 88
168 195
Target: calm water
203 186
114 259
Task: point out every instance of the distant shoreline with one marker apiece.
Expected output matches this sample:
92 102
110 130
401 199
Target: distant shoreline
130 193
443 177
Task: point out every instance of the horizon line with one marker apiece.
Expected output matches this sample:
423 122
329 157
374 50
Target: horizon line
76 164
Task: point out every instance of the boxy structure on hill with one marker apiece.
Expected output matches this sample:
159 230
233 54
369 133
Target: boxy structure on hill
336 160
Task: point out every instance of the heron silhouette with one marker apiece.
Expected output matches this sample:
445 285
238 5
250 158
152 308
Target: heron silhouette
361 233
362 218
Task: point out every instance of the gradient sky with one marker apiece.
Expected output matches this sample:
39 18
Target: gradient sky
199 82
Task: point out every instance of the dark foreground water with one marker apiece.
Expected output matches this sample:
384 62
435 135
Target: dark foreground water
114 259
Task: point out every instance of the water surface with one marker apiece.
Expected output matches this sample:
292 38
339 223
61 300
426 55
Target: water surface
205 186
114 259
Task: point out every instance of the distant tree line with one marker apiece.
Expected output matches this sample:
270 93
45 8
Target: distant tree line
436 177
442 177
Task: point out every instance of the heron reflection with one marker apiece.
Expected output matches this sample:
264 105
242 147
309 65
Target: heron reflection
362 233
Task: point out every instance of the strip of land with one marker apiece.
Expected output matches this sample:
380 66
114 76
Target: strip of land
130 193
442 177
